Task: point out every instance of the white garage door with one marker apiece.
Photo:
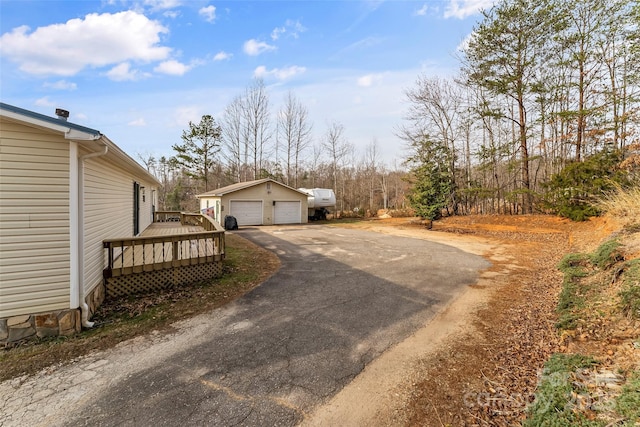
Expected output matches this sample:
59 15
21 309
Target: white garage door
286 213
246 212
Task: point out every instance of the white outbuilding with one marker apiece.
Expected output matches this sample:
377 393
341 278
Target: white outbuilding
260 202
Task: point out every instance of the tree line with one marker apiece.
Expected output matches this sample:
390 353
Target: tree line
543 86
250 142
542 116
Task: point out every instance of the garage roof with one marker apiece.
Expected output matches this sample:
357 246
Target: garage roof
241 186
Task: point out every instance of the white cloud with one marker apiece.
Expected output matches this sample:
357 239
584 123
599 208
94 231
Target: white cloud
279 73
464 44
93 41
162 4
61 85
422 11
172 67
123 72
222 55
45 102
138 122
463 8
208 13
295 28
291 27
184 115
369 80
254 47
365 43
275 34
173 14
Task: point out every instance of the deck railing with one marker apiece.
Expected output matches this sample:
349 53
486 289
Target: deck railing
152 253
167 216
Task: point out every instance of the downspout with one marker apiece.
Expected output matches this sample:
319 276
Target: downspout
84 308
74 271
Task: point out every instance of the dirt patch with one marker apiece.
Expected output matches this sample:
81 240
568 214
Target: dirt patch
477 363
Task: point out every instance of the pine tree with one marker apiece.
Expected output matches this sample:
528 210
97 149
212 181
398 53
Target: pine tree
201 142
432 180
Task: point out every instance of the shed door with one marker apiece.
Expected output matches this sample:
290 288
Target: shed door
246 212
286 212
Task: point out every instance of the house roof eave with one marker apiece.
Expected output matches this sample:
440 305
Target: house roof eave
77 133
70 130
127 161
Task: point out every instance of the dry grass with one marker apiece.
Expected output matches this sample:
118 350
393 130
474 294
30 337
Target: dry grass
623 203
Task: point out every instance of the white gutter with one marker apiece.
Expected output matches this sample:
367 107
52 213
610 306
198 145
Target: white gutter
76 217
70 132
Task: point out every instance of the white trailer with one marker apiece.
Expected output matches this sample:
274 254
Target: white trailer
318 202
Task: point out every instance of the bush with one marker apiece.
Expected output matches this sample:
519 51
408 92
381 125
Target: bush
574 266
574 262
573 193
607 255
628 403
552 406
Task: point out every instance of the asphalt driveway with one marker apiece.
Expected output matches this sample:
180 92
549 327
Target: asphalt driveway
340 299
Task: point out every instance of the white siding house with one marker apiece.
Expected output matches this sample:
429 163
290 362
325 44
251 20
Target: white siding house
64 188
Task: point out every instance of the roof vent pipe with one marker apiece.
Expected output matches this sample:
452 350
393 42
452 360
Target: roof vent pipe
62 114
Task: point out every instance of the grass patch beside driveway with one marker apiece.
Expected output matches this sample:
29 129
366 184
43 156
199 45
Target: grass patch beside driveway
245 267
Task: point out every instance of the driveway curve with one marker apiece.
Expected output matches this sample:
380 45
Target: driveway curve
340 299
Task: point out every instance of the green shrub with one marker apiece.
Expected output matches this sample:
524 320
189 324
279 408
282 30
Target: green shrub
561 362
628 403
607 255
574 267
575 264
573 193
567 320
552 406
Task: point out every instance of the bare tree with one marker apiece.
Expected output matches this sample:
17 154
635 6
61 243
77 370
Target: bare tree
337 149
295 130
436 109
371 160
148 160
233 136
258 131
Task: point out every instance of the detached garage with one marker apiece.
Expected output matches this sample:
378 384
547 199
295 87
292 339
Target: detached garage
260 202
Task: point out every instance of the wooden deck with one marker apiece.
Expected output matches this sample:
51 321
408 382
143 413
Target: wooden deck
164 245
168 228
178 248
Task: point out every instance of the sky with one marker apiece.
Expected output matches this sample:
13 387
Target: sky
139 70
